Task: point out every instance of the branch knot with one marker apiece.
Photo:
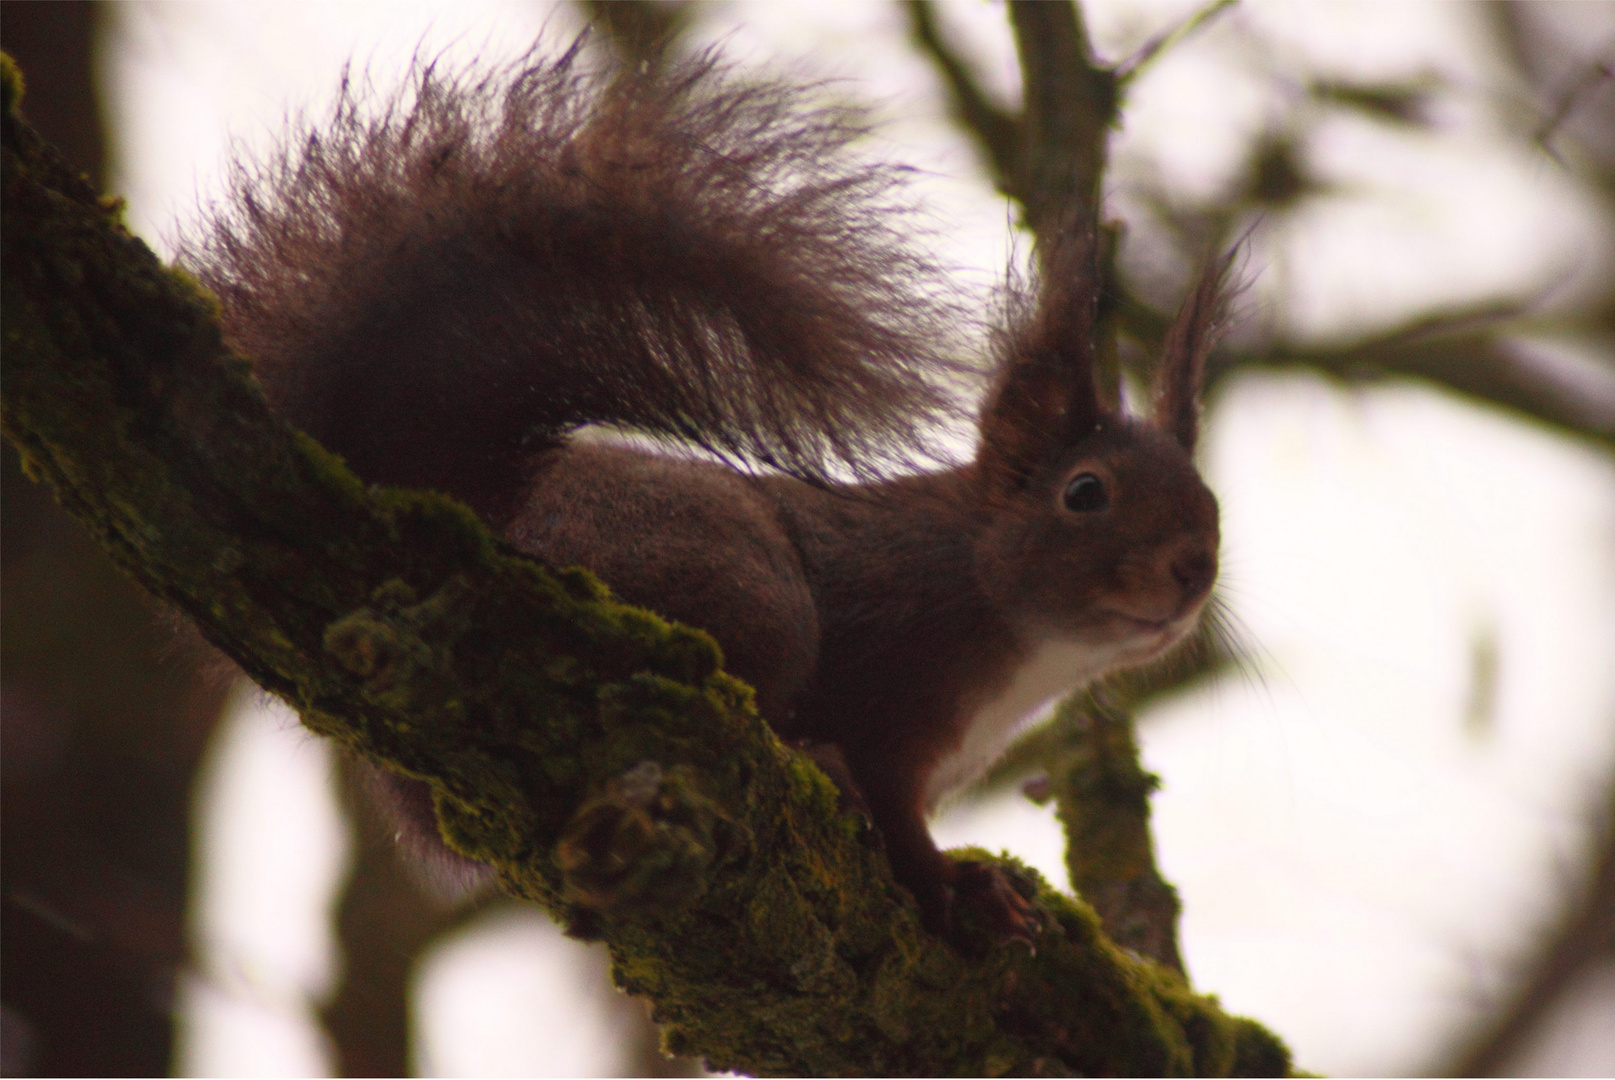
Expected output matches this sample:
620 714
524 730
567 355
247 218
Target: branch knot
644 842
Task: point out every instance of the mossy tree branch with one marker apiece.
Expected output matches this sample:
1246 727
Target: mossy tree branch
1101 794
598 757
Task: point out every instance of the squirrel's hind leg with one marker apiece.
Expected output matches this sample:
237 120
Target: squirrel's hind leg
692 541
961 901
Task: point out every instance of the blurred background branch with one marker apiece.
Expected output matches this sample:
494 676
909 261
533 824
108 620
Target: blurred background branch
1580 940
105 719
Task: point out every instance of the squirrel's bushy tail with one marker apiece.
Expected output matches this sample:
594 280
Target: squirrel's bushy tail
439 285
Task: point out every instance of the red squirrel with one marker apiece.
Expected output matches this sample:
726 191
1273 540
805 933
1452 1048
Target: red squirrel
443 287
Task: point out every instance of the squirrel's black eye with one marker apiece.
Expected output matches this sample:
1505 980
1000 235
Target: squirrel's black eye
1086 494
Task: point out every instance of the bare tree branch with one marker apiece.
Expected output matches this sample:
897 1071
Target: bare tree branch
1050 157
1479 364
996 131
385 922
1466 350
640 30
1583 937
1161 44
1070 104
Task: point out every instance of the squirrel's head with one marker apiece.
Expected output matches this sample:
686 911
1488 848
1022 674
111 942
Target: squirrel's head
1098 528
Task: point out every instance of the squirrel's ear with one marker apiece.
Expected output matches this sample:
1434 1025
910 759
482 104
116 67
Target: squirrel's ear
1044 397
1188 344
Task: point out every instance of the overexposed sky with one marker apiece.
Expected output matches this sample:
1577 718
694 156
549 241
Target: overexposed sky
1359 865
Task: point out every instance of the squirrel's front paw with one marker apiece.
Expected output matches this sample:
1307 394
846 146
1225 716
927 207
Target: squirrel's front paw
984 894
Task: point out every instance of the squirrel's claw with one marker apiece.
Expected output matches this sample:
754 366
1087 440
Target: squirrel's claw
1003 914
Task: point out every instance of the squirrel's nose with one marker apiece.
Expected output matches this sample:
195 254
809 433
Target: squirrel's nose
1193 565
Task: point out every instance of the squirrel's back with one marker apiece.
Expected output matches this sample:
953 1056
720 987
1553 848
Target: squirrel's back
440 284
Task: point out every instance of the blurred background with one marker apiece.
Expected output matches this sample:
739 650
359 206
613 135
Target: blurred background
1390 822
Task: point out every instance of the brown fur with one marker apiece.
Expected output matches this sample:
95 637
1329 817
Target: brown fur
442 291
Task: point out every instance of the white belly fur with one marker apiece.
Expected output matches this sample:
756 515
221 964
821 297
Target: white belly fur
1053 670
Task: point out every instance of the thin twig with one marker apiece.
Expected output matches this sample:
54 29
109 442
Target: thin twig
1161 43
1591 76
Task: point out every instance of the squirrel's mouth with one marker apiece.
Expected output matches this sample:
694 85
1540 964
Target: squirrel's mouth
1147 638
1139 626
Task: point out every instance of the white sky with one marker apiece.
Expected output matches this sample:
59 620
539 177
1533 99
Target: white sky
1357 870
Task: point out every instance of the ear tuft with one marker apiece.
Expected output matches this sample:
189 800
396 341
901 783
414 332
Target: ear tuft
1189 342
1043 396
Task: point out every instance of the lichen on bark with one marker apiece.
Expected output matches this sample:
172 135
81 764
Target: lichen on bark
596 755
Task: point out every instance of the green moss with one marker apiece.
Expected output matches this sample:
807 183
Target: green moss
11 83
